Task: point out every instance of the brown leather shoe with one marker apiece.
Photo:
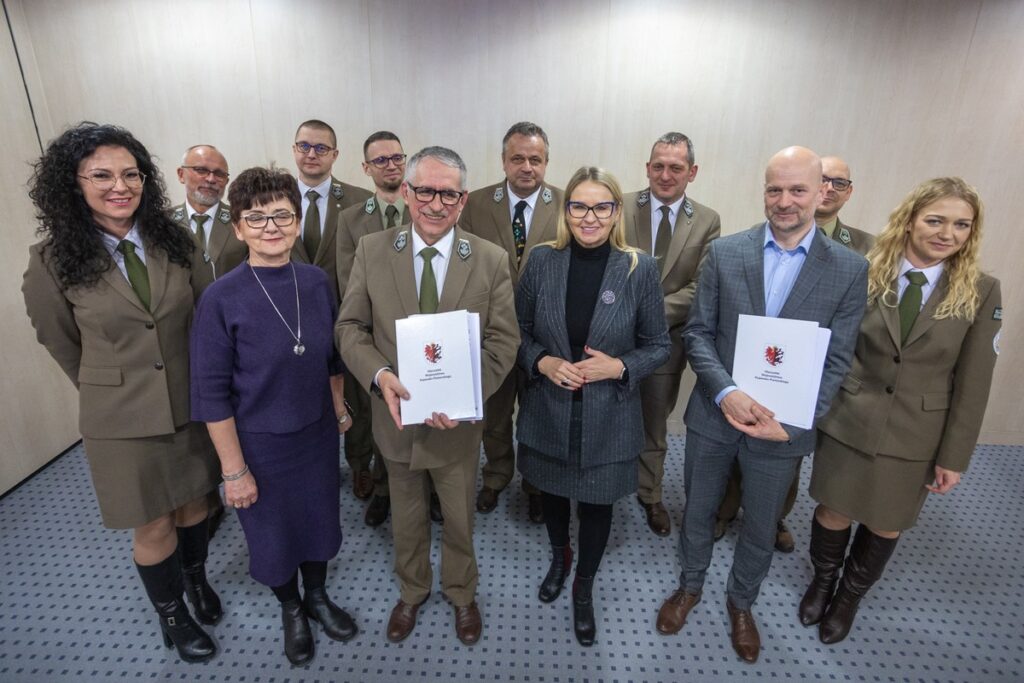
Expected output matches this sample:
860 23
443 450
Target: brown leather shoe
657 517
745 638
468 623
362 484
784 539
403 620
672 614
486 500
536 511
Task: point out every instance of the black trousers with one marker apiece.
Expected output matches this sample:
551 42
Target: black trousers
595 526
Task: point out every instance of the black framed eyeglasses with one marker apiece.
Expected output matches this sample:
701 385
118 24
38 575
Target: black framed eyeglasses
105 180
204 172
383 161
602 210
839 184
282 219
426 195
320 150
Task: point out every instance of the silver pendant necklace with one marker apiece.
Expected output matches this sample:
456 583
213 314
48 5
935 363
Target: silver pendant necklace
299 347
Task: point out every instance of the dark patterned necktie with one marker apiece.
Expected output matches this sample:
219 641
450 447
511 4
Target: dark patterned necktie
519 229
661 241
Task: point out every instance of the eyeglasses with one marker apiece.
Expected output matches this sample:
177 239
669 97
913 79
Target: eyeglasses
320 150
204 172
282 219
426 195
601 210
105 180
382 161
839 184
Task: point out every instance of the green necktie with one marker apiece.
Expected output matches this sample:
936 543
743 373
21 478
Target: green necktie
428 284
910 304
138 276
311 226
200 220
392 215
663 238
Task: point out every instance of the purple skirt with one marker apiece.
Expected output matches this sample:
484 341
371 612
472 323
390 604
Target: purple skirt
296 517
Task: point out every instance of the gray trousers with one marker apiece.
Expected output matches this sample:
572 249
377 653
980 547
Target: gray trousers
766 480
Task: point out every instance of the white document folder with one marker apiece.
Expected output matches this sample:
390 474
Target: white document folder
778 362
439 364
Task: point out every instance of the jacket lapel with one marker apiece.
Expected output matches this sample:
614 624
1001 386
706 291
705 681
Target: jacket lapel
680 236
157 269
218 237
926 318
543 215
815 263
891 317
455 277
642 228
753 268
405 276
557 279
614 281
500 216
119 283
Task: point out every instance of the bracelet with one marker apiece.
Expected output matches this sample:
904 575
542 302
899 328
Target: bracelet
623 373
236 476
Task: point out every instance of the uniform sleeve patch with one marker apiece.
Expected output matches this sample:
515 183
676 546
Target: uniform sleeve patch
997 313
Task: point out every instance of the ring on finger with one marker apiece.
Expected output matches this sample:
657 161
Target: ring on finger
564 382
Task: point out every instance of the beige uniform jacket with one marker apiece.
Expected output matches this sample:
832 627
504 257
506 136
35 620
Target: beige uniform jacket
696 226
382 289
222 251
925 399
852 238
487 215
353 223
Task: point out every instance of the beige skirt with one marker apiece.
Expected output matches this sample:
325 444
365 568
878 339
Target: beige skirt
883 492
139 480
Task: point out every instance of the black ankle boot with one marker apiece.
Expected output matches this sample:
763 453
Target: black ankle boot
561 563
192 545
828 548
583 610
337 624
868 557
163 583
298 638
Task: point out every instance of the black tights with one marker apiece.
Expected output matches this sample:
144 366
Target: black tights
314 575
595 525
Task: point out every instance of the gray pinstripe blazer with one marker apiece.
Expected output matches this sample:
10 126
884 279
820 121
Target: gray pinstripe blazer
831 290
628 323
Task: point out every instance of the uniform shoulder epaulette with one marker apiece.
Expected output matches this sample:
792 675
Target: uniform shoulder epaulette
401 240
464 249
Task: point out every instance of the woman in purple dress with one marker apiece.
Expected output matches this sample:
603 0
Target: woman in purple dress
267 380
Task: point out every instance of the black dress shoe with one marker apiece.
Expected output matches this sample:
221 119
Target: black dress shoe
536 511
378 510
487 499
561 562
163 585
338 625
435 509
583 610
298 637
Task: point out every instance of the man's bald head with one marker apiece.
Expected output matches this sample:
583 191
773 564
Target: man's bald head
838 174
792 192
204 173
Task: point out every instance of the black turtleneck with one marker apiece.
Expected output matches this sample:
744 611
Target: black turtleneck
586 270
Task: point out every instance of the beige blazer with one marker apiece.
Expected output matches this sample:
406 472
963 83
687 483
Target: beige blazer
696 226
924 400
487 215
342 196
382 289
852 238
353 223
223 250
130 365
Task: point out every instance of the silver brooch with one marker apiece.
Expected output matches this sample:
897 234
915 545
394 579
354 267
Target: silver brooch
608 296
370 205
643 198
546 195
464 249
401 240
499 193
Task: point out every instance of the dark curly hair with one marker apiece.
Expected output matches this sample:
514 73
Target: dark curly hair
258 185
72 235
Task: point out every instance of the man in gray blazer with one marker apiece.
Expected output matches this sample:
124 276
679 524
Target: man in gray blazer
783 268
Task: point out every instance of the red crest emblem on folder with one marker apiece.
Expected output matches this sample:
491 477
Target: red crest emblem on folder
773 354
432 352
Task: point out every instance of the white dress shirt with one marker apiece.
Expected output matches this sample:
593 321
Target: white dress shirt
933 274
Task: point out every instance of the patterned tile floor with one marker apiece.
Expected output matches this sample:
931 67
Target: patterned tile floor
948 609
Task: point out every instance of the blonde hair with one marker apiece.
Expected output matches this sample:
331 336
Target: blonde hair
617 237
962 299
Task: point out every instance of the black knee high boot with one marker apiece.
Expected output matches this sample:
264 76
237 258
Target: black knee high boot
868 557
193 542
828 548
164 585
561 563
583 610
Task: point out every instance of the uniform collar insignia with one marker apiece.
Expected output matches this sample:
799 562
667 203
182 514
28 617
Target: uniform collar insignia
224 216
643 198
401 240
371 204
337 191
844 236
546 195
499 193
179 214
464 249
688 208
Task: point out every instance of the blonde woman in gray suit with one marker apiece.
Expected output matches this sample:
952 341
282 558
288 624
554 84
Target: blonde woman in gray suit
591 315
907 417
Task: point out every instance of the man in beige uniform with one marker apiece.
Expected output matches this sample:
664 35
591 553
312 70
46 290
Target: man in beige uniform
838 188
384 163
323 196
428 267
516 214
664 221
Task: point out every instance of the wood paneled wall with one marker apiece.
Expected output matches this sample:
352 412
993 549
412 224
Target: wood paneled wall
904 90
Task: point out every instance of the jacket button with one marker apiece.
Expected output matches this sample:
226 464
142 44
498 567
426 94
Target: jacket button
150 326
160 366
895 359
889 390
